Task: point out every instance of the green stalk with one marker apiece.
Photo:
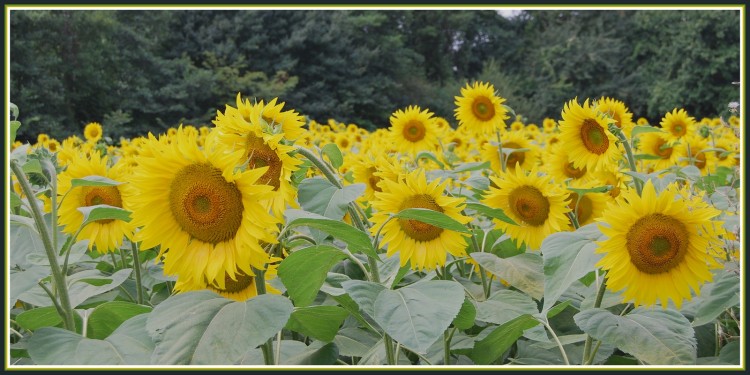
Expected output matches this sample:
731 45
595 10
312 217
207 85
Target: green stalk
50 169
57 275
629 153
557 340
260 288
500 150
597 304
137 268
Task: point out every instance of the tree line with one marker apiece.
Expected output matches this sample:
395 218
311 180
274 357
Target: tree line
137 71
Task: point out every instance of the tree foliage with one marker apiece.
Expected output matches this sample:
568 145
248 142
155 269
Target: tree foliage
142 70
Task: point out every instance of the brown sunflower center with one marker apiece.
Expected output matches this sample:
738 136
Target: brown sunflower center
235 286
414 131
679 129
700 160
482 108
657 243
585 207
344 143
415 229
259 154
528 203
573 172
95 195
516 157
616 117
373 180
204 204
660 150
594 137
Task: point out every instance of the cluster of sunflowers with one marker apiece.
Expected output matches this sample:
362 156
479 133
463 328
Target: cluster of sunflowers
212 200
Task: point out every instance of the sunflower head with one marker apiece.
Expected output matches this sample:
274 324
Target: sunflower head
93 132
413 130
584 133
617 110
677 124
479 109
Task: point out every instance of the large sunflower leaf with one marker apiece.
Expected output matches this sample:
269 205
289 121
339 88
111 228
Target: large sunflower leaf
89 283
568 256
204 328
108 316
653 335
295 353
318 195
358 241
491 212
103 212
523 271
715 298
304 271
94 181
504 306
364 293
318 322
492 346
432 217
417 315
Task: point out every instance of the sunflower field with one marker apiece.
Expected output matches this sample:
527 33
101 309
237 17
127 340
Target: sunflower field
266 238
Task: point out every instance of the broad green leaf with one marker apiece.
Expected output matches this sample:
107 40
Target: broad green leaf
319 322
108 316
523 271
646 157
376 356
358 241
56 346
296 353
490 348
23 281
568 256
96 282
204 328
431 217
319 196
132 341
304 271
364 293
354 342
81 290
730 353
640 129
15 201
37 318
557 309
466 316
653 335
334 154
494 213
94 181
505 305
14 125
32 166
417 315
431 156
716 297
598 189
103 212
472 166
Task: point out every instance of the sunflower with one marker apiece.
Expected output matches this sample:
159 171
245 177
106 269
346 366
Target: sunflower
585 135
422 245
260 149
704 157
537 205
589 207
729 143
413 130
480 109
106 234
642 121
205 214
288 122
549 125
93 132
618 112
658 144
239 288
658 247
521 159
677 124
372 170
42 138
344 142
559 166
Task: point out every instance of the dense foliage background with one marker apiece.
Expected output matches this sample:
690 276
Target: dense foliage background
146 70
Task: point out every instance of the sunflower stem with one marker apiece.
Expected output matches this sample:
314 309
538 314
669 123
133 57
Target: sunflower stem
389 353
597 304
57 275
123 263
500 150
49 168
260 288
137 268
557 340
321 165
629 153
482 276
358 263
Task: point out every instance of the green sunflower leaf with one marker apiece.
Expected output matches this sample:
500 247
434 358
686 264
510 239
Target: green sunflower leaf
358 241
640 129
103 212
108 316
646 157
504 306
334 155
568 256
715 298
431 217
494 213
89 283
94 181
490 348
431 156
319 322
37 318
304 271
319 196
14 125
466 316
204 328
523 271
653 335
417 315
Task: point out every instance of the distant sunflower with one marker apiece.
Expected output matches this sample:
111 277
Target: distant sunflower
657 246
589 207
289 122
702 153
371 171
618 111
93 132
240 288
413 130
559 166
677 124
480 109
422 245
107 234
538 206
549 125
204 213
586 137
658 144
512 140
